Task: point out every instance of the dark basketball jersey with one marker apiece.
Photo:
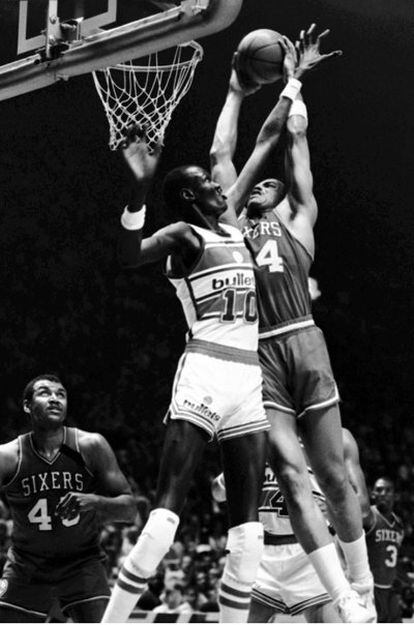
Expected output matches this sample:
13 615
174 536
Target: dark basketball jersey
282 270
384 540
34 492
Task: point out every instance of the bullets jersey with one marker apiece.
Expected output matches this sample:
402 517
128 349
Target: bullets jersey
218 295
34 492
273 512
384 540
281 271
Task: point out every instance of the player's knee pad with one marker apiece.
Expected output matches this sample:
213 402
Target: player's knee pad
245 547
155 540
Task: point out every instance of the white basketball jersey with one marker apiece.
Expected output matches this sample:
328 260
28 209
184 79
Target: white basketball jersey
272 509
218 296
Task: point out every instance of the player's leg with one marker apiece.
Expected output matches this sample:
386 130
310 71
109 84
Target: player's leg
243 460
322 436
183 448
259 612
288 463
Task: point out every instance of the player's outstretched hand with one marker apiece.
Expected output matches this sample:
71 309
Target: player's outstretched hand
73 504
289 59
308 50
239 81
141 160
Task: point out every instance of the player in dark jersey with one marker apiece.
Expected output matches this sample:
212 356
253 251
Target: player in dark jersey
384 533
61 484
300 393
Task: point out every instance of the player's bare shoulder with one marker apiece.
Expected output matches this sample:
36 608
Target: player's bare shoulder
9 460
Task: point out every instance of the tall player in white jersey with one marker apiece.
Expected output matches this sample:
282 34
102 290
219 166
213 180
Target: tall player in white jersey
218 383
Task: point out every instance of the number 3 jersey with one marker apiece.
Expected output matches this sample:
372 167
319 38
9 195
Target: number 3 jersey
282 269
33 494
384 540
218 294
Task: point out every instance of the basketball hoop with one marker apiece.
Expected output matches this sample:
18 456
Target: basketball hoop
146 94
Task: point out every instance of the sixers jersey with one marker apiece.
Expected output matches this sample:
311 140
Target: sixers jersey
273 513
282 271
218 295
34 492
384 540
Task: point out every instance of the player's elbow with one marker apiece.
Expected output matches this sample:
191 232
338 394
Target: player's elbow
297 126
219 153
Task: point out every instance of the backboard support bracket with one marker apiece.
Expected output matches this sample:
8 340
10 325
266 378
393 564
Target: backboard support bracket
67 52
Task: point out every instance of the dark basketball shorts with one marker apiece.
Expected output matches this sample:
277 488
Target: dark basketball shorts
28 591
388 605
297 372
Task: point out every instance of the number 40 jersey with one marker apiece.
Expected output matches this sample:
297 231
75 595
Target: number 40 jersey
33 494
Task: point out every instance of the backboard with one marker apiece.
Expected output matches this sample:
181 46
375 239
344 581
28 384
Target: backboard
43 41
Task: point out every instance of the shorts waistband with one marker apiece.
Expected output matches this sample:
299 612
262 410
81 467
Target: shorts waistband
223 352
279 539
287 326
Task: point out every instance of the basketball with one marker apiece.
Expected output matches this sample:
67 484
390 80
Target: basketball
260 57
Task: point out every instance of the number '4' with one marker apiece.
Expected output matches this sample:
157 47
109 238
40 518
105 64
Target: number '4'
269 255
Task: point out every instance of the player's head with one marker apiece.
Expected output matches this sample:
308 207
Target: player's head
265 195
45 400
189 190
383 494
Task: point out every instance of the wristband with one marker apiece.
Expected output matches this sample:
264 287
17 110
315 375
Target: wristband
298 108
292 89
133 221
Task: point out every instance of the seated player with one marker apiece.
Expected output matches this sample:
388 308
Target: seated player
286 581
61 484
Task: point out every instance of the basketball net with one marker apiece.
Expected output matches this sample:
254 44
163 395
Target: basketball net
146 94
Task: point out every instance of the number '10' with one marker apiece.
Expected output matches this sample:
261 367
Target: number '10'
249 306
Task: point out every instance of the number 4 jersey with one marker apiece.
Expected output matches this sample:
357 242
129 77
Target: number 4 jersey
282 270
33 494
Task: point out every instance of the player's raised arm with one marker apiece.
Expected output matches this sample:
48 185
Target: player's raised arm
133 250
268 137
356 476
114 500
224 143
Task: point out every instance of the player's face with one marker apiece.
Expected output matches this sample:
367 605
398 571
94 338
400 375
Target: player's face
383 495
208 195
48 405
265 195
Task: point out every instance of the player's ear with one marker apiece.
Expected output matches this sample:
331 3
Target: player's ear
187 194
26 406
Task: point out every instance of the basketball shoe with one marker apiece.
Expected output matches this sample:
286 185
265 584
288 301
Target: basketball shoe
366 593
351 608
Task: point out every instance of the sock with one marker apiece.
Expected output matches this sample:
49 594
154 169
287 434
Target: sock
245 548
356 557
155 540
326 562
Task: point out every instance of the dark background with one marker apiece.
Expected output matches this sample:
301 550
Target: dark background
114 336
